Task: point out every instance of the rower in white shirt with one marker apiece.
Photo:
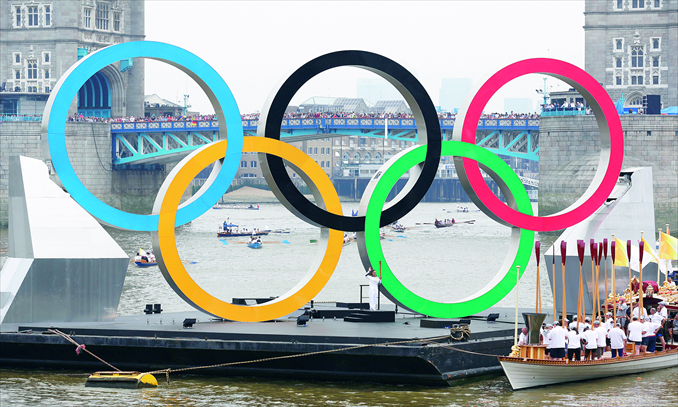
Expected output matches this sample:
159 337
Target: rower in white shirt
636 331
617 341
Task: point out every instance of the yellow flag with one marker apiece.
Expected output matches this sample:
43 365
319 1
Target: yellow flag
648 249
620 258
668 247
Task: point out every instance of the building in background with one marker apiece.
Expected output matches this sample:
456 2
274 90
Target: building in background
632 49
452 93
40 40
154 105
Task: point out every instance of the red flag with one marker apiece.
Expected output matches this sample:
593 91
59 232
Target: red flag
600 252
563 251
594 251
581 246
537 245
641 246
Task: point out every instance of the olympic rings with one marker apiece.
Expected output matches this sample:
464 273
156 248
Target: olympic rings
168 213
164 244
56 109
521 239
611 140
426 119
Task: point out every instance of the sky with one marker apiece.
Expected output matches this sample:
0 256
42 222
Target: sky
254 45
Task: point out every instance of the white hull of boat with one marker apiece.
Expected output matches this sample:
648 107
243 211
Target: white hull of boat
528 373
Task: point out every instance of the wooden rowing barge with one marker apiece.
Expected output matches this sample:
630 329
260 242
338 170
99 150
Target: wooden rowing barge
525 373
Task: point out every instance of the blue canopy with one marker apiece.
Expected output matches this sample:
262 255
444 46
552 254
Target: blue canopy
670 110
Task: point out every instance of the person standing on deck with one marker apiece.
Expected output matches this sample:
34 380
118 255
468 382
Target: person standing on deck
547 341
621 313
523 339
591 338
557 338
573 345
374 287
636 334
617 341
601 331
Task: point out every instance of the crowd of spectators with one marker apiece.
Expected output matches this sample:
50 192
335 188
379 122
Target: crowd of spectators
293 115
567 107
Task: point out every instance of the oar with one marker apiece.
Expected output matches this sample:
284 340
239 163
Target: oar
425 223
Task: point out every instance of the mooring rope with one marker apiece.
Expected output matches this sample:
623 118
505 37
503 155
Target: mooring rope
80 347
169 370
462 330
464 350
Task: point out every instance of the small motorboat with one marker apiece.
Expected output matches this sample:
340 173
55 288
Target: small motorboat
145 258
255 243
145 263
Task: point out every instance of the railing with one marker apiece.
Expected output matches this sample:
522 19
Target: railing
14 118
567 112
321 124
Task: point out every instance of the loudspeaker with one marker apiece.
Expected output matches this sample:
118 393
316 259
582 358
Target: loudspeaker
654 104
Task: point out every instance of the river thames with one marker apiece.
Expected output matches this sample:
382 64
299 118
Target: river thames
439 264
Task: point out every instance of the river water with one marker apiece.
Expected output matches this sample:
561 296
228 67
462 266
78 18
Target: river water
439 264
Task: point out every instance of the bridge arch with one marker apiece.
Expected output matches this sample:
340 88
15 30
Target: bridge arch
103 94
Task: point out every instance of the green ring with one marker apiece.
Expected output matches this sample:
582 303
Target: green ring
521 239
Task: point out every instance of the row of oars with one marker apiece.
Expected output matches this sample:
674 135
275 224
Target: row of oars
597 253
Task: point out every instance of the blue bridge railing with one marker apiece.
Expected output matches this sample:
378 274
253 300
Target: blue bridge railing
324 125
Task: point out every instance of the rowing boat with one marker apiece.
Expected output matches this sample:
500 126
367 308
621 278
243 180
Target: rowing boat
525 373
440 224
255 245
231 234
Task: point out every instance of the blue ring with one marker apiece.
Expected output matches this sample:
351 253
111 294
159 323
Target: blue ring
209 80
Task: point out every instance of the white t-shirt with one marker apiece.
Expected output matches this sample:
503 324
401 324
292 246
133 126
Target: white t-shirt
651 328
558 335
573 325
656 318
522 339
547 338
591 339
573 340
609 324
647 327
636 331
617 337
664 313
601 331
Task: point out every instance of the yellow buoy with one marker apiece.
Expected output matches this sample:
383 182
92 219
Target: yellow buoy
121 380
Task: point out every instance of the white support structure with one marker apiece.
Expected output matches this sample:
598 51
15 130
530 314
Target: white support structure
62 265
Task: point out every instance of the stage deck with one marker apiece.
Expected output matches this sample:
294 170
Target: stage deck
159 341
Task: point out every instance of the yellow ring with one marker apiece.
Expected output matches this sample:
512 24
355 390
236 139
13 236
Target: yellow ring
188 289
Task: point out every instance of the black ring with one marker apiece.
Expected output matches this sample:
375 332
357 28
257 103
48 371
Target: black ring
426 119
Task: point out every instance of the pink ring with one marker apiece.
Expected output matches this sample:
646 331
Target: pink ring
611 154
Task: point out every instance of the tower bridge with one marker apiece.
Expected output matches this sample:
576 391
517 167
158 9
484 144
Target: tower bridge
144 143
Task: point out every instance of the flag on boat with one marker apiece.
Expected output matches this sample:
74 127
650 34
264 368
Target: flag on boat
668 247
620 258
648 250
635 258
